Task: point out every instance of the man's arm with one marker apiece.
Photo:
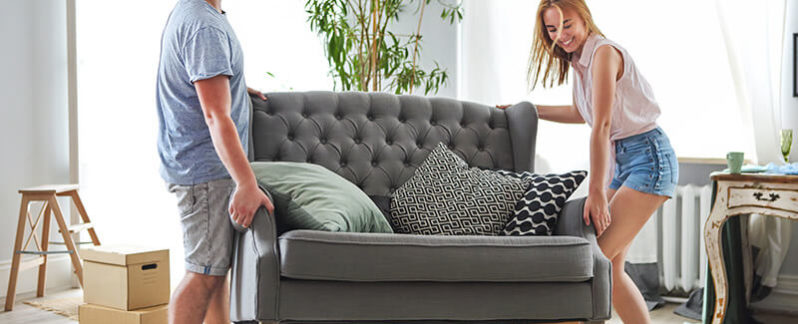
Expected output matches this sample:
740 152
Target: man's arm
257 93
214 97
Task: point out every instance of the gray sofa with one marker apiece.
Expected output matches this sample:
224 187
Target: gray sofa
376 140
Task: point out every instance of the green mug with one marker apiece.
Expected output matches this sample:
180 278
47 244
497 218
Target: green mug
735 161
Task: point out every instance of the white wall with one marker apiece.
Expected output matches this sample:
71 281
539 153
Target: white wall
34 124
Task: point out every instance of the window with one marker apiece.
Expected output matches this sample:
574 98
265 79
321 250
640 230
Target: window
118 50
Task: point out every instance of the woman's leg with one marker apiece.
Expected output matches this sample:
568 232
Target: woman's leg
626 298
630 210
610 194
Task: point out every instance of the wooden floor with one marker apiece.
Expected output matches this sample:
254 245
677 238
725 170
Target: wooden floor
660 315
24 314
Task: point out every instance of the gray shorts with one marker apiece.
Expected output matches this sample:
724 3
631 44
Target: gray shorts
207 231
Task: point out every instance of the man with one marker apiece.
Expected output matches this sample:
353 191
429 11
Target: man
203 111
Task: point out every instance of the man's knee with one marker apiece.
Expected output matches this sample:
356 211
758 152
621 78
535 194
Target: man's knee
207 282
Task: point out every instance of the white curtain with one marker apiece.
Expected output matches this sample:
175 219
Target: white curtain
684 62
754 40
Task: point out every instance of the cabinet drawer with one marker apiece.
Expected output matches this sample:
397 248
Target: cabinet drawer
783 199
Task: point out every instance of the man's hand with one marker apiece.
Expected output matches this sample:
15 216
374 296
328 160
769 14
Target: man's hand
257 93
246 201
502 106
596 208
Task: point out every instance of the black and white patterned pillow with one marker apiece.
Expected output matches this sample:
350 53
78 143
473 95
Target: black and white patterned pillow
446 197
536 213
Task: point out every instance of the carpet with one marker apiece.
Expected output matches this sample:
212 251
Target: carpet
67 307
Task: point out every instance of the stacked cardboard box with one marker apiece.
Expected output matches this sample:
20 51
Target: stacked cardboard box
125 285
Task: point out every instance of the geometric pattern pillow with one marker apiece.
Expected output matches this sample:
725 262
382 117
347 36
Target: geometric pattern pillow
536 213
446 197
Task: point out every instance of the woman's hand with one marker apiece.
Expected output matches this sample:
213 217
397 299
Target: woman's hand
597 208
256 92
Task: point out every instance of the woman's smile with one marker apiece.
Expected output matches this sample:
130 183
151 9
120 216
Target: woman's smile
568 42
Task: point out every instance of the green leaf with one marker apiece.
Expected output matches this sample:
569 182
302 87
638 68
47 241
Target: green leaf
339 23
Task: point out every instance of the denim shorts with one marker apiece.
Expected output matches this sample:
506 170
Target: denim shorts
207 230
646 163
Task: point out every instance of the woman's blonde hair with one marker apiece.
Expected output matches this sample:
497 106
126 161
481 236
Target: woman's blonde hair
545 54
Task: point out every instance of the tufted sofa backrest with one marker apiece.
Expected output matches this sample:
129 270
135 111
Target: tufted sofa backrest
377 140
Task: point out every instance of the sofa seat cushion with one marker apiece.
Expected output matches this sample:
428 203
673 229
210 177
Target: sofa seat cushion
319 255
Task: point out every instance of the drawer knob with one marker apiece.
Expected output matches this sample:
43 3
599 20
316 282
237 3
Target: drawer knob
773 197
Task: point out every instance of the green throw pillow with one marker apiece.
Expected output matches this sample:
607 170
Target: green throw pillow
309 196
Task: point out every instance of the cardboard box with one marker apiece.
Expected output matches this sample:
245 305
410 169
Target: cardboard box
125 277
94 314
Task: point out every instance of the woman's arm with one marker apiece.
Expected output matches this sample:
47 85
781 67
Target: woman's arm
560 114
607 63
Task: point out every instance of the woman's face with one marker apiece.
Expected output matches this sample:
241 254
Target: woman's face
573 34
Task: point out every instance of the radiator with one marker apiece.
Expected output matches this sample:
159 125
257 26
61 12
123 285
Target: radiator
673 238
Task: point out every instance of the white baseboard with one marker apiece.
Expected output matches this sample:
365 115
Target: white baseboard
59 273
783 298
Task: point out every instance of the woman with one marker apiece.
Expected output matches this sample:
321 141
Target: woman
613 98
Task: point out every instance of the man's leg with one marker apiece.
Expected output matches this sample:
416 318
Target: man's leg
192 297
219 305
208 242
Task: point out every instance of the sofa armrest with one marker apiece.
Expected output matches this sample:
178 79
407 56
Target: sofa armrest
571 223
255 275
522 119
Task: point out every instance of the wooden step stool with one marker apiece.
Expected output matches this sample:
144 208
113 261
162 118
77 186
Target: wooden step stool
47 194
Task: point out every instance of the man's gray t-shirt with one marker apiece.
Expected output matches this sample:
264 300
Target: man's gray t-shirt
197 43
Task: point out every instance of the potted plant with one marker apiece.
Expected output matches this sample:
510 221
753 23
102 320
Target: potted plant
365 55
